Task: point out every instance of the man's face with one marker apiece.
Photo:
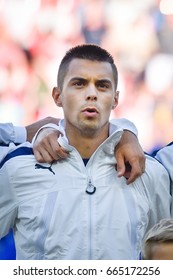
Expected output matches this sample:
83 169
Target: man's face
88 95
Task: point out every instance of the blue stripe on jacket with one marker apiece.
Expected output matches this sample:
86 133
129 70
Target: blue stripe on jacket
22 151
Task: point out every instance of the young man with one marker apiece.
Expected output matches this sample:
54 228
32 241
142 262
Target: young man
158 242
79 208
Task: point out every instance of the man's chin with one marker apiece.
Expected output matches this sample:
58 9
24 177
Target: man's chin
89 127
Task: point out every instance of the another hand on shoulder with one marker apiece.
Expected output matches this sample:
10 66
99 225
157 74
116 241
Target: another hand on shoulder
130 157
46 147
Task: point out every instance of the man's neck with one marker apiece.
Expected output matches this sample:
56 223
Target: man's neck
86 146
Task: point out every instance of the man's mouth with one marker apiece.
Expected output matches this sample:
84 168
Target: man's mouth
90 111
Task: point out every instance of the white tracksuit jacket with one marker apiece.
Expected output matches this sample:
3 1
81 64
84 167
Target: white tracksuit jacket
54 218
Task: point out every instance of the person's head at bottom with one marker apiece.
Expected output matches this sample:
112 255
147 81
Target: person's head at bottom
158 242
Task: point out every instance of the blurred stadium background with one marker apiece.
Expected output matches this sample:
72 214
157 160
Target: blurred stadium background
35 34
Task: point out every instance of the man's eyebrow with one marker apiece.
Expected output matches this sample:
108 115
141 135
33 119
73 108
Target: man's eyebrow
105 81
77 79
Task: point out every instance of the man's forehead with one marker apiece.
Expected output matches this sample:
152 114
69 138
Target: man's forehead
82 67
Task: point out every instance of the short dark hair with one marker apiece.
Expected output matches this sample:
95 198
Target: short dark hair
86 51
160 233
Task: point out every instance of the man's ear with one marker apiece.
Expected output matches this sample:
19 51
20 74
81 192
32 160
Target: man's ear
56 94
115 102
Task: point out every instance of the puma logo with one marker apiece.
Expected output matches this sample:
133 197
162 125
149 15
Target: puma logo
39 166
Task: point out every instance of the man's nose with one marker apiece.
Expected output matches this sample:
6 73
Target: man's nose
91 93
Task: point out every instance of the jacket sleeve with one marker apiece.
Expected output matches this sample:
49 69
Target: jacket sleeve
8 203
165 156
10 133
125 124
158 188
49 125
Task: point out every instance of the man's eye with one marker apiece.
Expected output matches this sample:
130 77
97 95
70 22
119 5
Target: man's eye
104 86
78 84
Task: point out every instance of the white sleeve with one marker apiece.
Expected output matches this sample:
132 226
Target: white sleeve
3 152
125 125
10 133
165 156
49 125
157 182
19 134
7 203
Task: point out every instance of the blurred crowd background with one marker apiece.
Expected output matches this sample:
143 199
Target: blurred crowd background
35 34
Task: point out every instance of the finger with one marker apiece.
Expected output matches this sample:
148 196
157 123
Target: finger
42 151
43 156
137 165
142 163
53 147
37 155
134 173
120 166
58 152
50 149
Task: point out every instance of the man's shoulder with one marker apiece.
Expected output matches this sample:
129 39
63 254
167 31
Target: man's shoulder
155 170
153 163
15 152
165 153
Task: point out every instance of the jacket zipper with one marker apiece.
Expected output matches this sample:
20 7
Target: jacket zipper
90 191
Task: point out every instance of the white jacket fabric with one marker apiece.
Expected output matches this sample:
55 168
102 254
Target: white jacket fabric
53 216
10 133
165 156
9 136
